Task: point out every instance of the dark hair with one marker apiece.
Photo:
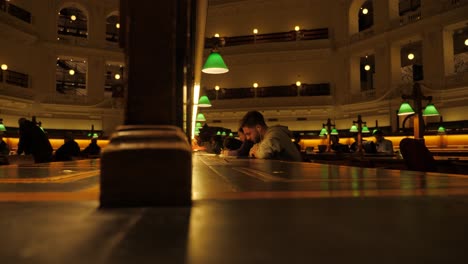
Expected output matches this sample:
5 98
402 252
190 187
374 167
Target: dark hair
377 132
252 118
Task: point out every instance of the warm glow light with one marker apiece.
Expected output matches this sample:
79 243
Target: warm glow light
117 76
73 17
255 85
216 35
466 42
255 31
4 67
298 83
365 11
297 28
71 72
410 56
217 87
367 67
117 25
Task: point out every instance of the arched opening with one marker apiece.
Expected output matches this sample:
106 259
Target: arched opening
72 24
460 50
411 58
112 28
367 71
71 76
114 76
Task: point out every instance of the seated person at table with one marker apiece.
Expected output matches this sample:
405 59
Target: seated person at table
382 145
92 150
336 145
237 147
367 146
69 150
269 142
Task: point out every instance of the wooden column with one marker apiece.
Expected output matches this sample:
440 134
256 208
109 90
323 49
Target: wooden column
148 160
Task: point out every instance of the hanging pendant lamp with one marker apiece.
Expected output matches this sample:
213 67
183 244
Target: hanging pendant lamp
201 117
430 110
214 64
405 109
204 101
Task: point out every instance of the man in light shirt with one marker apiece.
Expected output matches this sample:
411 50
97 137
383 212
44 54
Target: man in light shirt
270 142
381 144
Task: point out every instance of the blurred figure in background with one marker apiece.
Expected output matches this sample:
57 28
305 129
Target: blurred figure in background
92 150
240 148
382 145
33 141
69 150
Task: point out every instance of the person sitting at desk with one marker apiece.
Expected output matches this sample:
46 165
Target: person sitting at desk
240 148
336 145
382 145
270 142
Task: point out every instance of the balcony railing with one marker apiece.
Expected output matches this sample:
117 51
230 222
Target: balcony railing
307 34
15 11
15 78
322 89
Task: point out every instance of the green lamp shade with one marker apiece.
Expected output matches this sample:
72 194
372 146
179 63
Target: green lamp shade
204 101
224 133
323 132
365 129
231 134
405 109
334 132
95 135
430 110
441 130
353 129
198 124
215 64
218 133
201 117
2 127
197 130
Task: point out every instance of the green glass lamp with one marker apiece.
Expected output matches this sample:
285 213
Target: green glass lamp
218 133
441 130
198 124
353 129
323 132
223 133
365 129
231 134
405 109
201 117
95 135
334 132
430 110
214 64
204 101
2 126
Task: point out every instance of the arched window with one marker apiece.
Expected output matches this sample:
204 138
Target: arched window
112 28
72 24
71 76
366 15
114 80
367 71
460 49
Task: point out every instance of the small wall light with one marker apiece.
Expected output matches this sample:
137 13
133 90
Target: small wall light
297 28
4 67
217 87
71 72
255 31
365 11
255 85
73 17
367 67
117 25
117 76
466 42
410 56
216 35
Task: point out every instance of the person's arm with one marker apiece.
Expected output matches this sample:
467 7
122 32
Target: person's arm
268 148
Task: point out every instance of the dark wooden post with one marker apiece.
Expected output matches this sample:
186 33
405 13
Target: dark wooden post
148 159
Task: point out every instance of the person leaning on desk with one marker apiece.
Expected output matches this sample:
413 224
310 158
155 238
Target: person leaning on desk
382 145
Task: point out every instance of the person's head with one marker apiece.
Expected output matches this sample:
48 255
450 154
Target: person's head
241 134
378 134
254 126
94 140
22 121
68 137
